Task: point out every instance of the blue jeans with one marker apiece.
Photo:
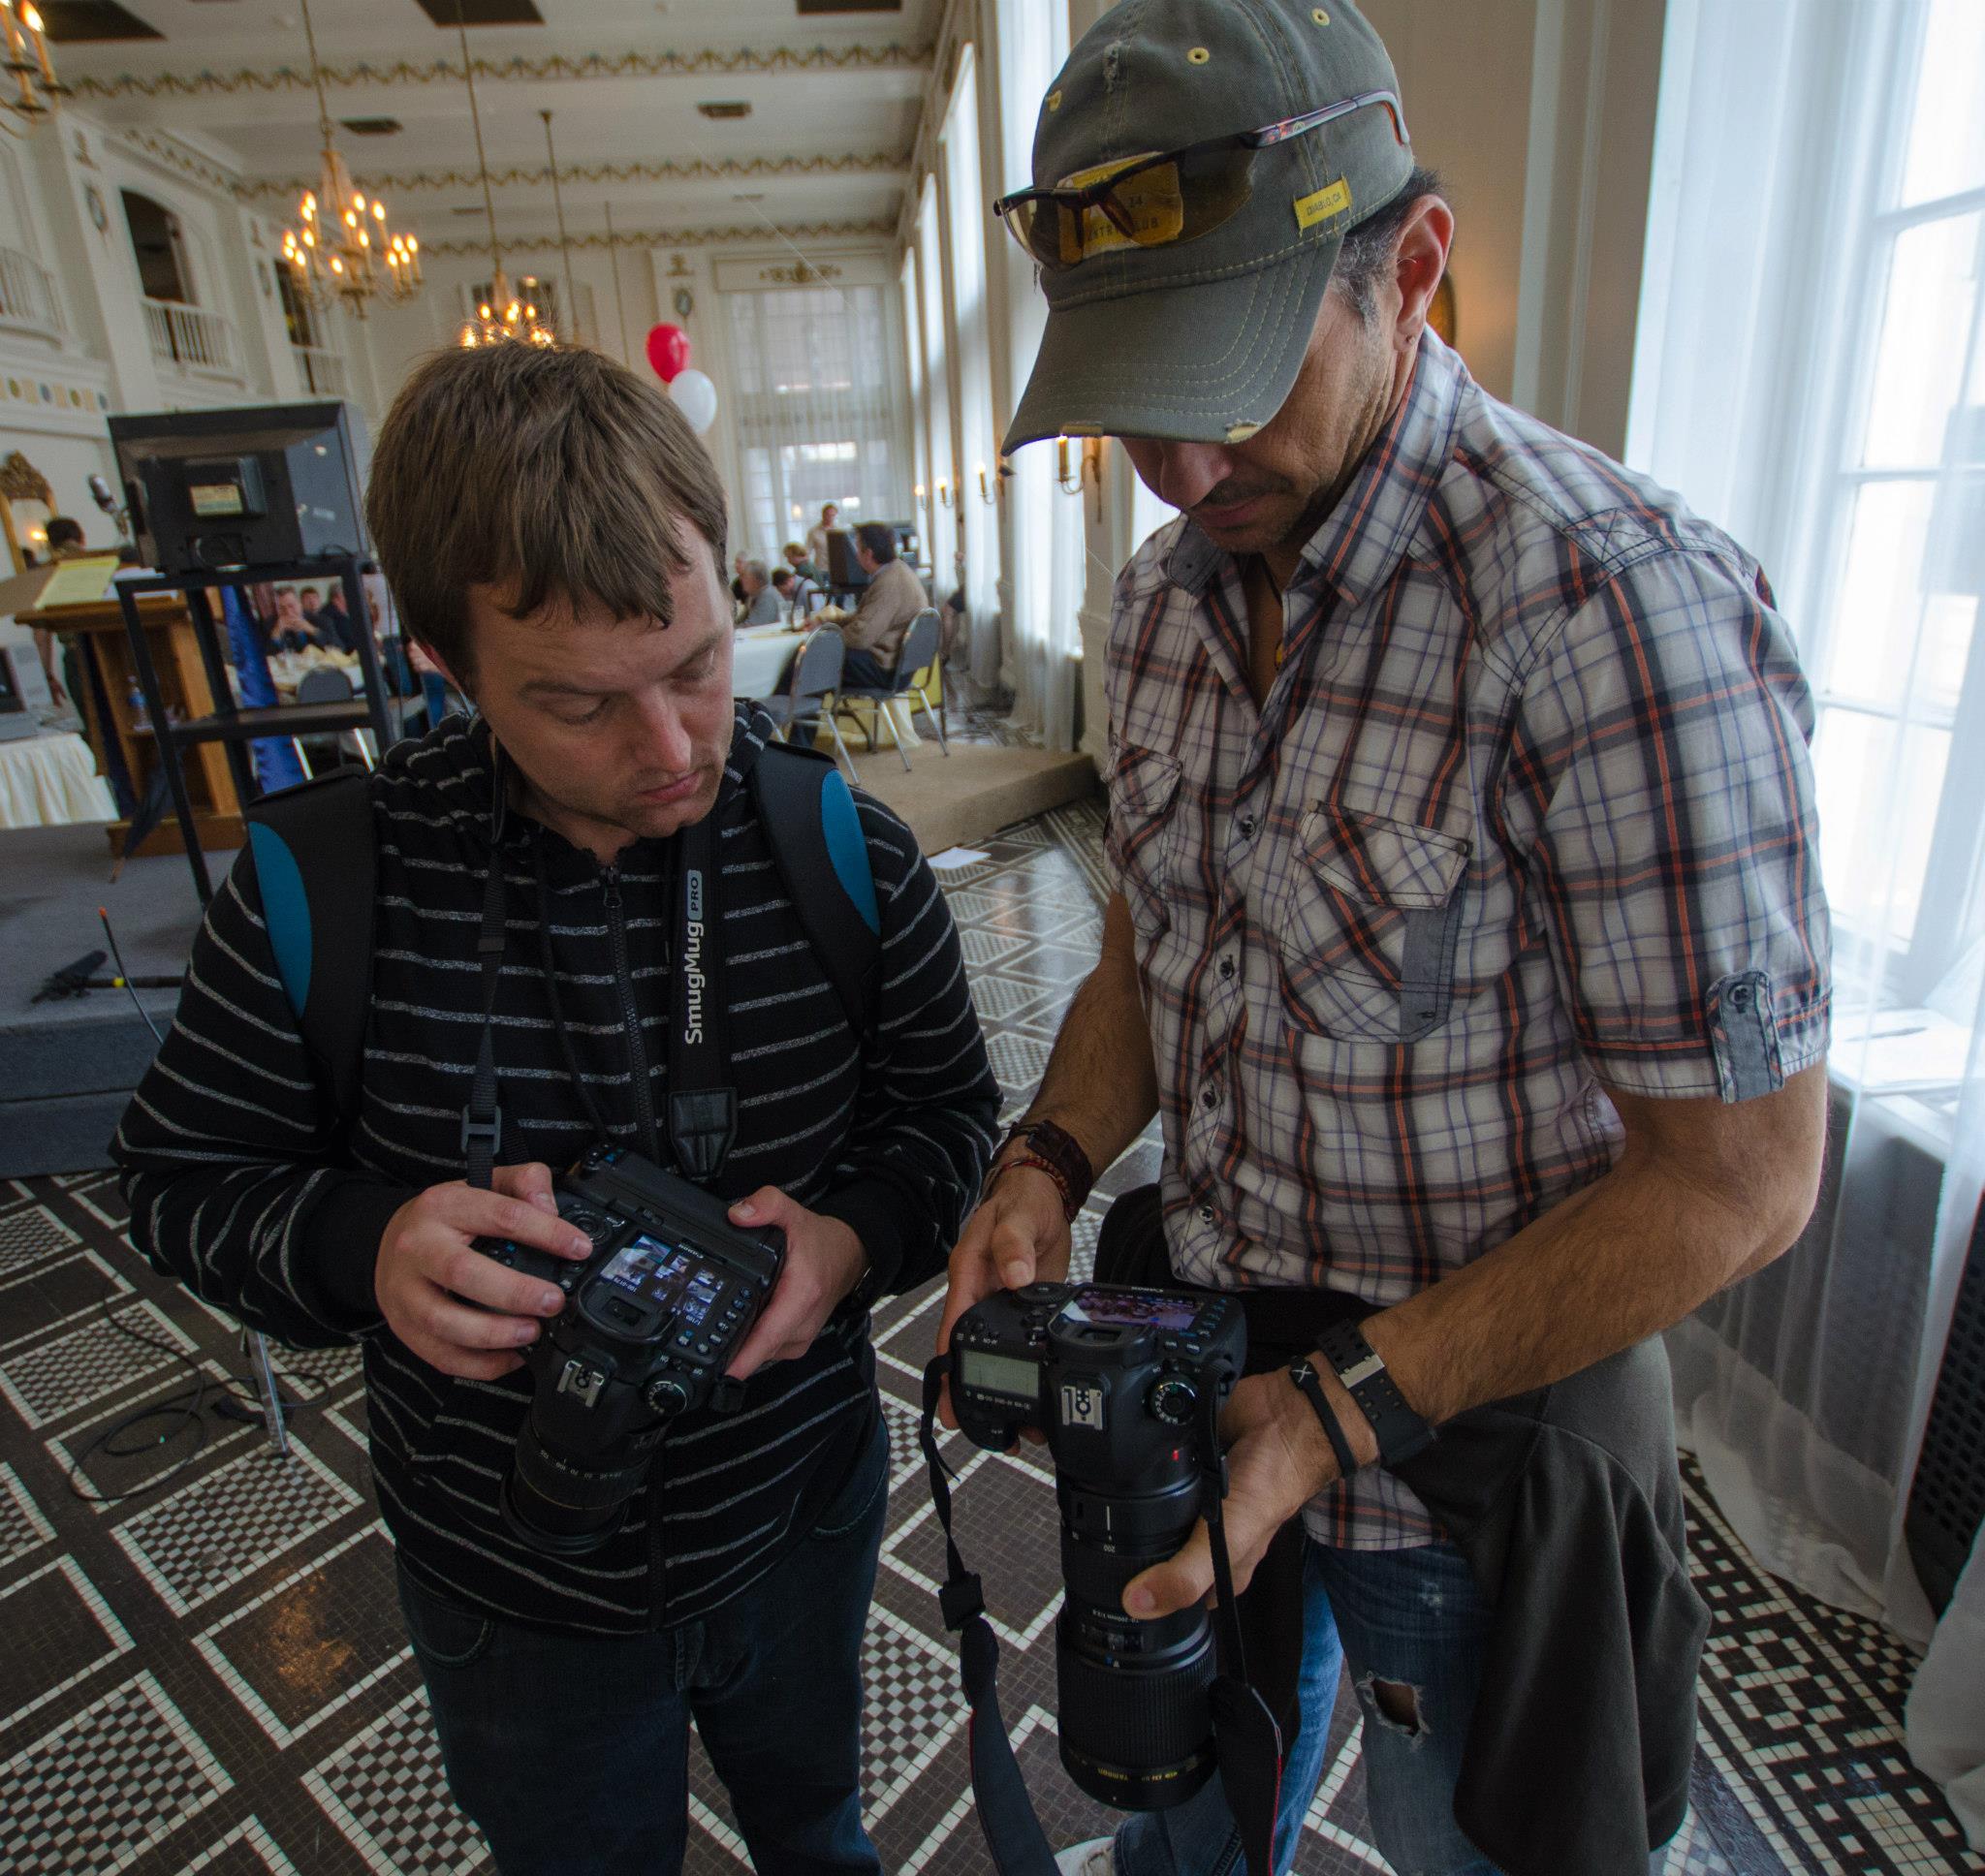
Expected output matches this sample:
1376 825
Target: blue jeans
1407 1616
571 1751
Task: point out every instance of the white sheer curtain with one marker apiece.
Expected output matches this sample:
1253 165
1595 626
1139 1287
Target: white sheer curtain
1045 579
941 490
964 229
814 424
913 380
1810 373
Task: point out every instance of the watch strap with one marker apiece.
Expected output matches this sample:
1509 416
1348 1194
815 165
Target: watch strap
1401 1432
1303 1372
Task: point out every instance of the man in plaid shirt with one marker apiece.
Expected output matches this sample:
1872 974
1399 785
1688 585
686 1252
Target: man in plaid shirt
1468 937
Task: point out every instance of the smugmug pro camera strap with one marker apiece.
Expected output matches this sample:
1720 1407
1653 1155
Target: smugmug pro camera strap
1247 1741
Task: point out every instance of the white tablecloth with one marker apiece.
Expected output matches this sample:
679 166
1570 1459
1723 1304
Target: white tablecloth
759 657
48 780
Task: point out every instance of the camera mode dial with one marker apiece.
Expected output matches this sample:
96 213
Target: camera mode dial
667 1395
1172 1399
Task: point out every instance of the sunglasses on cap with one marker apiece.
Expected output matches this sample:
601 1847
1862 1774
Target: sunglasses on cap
1164 196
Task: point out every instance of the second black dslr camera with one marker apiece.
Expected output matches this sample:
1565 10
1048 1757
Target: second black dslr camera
650 1321
1127 1386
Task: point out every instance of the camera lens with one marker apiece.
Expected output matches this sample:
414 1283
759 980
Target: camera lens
564 1505
1135 1723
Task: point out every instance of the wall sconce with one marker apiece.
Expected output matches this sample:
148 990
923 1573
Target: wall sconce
943 493
987 494
1061 480
918 492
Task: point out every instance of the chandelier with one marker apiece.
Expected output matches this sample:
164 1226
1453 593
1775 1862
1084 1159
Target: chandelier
341 248
27 58
505 316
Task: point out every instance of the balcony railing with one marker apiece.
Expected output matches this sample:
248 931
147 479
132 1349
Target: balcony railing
197 342
27 295
322 371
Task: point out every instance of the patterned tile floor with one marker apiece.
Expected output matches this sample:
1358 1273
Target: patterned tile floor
211 1675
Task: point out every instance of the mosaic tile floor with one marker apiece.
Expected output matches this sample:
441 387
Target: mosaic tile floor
212 1676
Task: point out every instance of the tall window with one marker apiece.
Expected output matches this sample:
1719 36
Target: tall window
1810 373
814 425
965 218
1899 542
1045 577
943 486
913 362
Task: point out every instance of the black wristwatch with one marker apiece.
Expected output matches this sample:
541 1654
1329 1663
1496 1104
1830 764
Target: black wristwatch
1400 1431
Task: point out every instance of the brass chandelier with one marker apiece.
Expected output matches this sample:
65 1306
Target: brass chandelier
341 248
504 316
27 58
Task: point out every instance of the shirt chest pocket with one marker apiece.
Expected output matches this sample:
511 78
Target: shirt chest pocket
1144 800
1368 928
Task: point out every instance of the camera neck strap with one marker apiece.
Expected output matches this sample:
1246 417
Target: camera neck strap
702 1103
1246 1740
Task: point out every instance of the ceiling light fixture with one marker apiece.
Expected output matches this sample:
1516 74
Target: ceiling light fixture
505 317
341 247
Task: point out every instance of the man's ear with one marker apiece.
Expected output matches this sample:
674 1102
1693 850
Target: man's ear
1418 264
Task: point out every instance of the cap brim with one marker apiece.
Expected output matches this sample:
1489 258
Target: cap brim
1209 361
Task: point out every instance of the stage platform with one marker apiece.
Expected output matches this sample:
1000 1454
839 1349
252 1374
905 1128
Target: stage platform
68 1067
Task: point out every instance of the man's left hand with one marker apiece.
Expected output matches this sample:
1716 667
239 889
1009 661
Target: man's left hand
823 1260
1278 1460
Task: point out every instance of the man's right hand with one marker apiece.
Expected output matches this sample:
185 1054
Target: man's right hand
1018 1235
429 1274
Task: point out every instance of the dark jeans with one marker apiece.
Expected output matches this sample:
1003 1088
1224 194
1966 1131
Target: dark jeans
571 1751
860 671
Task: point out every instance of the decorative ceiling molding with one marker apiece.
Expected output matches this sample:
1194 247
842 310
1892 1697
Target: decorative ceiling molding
693 170
880 229
749 59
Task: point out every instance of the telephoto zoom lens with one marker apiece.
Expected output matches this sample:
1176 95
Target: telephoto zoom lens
565 1504
1135 1721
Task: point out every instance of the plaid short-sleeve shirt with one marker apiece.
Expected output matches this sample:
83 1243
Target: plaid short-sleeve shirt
1528 811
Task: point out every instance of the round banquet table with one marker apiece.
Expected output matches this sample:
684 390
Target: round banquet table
46 781
759 655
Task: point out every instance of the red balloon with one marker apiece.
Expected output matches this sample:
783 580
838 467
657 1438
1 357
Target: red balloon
668 351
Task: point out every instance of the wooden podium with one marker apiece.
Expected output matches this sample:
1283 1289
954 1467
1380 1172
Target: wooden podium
112 724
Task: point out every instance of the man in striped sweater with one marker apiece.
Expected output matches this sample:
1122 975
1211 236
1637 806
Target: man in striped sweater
555 537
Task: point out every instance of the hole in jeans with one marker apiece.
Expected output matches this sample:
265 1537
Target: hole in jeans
1394 1704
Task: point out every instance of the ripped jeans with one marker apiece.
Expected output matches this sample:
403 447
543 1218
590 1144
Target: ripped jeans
1411 1619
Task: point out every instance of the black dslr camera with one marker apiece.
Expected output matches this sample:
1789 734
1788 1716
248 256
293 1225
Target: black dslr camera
650 1321
1128 1385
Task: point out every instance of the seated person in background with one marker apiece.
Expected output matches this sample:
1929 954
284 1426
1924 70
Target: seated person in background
311 601
333 623
786 588
802 564
761 602
816 537
737 563
892 599
291 631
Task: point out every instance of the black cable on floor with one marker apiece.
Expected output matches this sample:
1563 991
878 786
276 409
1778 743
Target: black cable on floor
188 1407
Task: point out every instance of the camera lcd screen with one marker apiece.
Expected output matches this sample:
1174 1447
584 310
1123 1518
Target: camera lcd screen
1131 1309
667 1277
999 1374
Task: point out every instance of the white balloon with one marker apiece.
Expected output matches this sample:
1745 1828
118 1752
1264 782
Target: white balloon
696 397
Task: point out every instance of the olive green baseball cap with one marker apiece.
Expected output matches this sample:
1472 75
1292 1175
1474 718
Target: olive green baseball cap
1161 330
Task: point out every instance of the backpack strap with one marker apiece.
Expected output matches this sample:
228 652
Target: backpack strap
815 835
313 848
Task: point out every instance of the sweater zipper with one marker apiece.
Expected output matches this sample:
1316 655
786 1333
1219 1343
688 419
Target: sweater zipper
630 1014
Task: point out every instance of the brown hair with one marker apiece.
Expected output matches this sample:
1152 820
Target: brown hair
551 474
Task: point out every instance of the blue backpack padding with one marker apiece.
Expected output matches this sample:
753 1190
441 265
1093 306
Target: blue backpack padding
316 868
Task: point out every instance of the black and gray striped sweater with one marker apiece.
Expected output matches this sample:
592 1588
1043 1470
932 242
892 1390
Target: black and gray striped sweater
239 1187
